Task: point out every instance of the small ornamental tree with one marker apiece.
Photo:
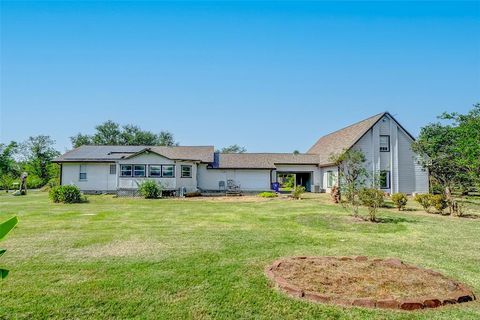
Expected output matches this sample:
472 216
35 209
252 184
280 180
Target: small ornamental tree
297 192
352 176
400 200
5 228
373 199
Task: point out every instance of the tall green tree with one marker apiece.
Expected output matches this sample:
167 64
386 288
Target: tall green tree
451 151
9 168
107 133
466 133
80 140
133 135
165 138
234 148
111 133
39 152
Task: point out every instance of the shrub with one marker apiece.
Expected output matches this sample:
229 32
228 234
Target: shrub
400 200
54 194
66 194
6 181
150 189
268 194
425 200
297 192
53 182
373 199
34 182
439 202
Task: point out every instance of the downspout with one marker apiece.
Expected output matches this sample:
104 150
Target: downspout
338 184
61 173
271 181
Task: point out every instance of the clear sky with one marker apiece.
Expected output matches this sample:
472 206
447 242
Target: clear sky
266 75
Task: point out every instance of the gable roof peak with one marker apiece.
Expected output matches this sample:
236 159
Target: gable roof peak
343 139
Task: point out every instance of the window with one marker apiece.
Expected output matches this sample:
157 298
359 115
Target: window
155 171
168 171
126 170
83 172
384 143
186 171
330 179
139 170
384 179
113 169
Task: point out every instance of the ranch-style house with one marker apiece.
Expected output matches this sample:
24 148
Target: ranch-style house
113 169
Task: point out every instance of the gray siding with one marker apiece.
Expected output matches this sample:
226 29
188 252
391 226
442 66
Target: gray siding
406 175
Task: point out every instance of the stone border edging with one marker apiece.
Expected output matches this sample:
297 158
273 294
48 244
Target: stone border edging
460 295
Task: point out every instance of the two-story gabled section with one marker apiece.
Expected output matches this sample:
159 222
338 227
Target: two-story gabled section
387 149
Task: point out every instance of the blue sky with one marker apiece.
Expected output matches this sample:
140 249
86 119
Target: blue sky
271 76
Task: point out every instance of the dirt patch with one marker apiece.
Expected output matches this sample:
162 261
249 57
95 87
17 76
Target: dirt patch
359 281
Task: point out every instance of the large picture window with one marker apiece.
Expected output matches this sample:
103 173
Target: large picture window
384 143
186 171
384 179
168 171
139 170
155 171
126 170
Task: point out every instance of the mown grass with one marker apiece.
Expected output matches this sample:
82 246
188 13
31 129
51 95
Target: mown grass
204 259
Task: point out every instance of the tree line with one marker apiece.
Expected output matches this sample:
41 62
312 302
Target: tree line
449 149
34 156
112 133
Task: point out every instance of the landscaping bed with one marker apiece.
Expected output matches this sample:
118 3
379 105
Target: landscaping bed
363 282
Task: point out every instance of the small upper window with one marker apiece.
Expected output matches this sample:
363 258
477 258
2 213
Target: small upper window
139 170
168 171
186 171
83 172
126 170
384 143
384 179
113 169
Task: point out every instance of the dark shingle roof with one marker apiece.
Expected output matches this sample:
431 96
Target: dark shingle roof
112 153
262 160
342 139
318 154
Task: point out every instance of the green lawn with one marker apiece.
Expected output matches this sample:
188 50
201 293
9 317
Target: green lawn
204 259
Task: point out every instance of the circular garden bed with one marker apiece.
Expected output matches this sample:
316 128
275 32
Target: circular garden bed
363 282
